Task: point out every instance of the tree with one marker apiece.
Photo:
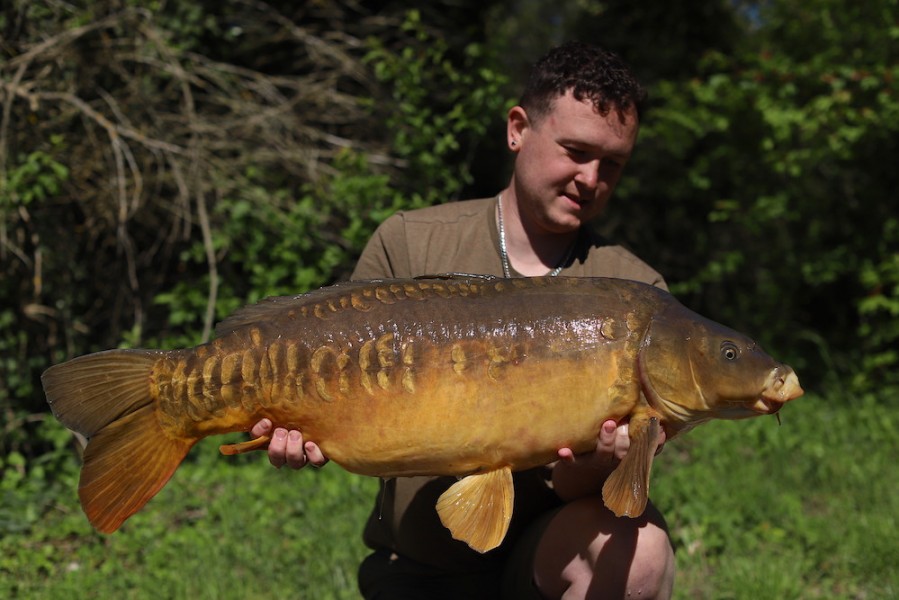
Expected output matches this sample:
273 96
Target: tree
161 167
763 192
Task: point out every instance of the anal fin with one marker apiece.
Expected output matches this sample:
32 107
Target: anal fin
259 443
477 509
626 491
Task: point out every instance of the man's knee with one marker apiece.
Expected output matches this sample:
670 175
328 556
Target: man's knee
652 569
587 552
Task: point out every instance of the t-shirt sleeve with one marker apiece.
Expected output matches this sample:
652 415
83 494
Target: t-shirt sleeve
386 254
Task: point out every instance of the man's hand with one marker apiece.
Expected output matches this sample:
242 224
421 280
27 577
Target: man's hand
288 447
611 446
575 476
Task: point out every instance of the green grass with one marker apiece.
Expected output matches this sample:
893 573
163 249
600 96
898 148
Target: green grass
222 528
807 509
804 510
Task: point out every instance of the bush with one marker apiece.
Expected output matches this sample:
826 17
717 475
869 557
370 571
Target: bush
761 192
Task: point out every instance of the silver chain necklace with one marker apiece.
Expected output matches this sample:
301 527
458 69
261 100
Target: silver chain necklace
504 254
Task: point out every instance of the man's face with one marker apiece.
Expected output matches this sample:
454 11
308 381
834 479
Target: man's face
569 162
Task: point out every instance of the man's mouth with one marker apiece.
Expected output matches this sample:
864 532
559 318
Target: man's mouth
577 200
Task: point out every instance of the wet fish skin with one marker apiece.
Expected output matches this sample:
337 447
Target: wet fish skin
361 387
468 376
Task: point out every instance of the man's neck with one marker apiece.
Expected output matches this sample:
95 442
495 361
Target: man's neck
532 251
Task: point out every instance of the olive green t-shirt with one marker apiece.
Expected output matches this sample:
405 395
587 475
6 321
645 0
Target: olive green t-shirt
462 237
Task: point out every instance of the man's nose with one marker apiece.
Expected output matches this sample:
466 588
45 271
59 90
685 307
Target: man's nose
588 174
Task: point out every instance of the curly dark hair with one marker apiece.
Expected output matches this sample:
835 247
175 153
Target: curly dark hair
592 73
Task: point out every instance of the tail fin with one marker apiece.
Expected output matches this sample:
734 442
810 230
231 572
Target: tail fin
129 457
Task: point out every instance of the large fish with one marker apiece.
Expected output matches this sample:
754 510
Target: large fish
462 375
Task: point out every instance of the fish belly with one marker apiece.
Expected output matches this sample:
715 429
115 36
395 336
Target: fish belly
435 385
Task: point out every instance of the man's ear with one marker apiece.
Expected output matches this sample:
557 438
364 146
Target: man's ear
516 126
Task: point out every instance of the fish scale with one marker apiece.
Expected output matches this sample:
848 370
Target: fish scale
461 375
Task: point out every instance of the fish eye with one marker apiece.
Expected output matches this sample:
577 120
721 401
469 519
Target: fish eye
729 350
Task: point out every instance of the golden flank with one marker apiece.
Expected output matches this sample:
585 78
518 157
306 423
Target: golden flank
458 375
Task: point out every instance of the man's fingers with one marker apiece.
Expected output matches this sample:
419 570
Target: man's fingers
289 448
277 448
263 427
294 453
314 455
613 440
566 454
622 441
607 437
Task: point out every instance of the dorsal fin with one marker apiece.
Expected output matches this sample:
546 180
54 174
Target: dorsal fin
451 276
273 307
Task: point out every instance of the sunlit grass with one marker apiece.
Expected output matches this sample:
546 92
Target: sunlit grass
807 509
222 528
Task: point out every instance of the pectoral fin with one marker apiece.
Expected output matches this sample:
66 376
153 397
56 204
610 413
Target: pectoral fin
626 491
477 509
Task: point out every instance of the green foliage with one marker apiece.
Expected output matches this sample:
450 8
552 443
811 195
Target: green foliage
272 242
36 177
770 162
30 488
879 310
30 181
287 240
440 109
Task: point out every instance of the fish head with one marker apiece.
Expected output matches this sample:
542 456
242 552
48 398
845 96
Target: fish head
693 369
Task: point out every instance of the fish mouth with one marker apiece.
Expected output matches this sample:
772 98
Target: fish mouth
781 387
767 406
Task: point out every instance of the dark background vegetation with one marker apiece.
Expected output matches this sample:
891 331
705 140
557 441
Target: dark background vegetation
165 162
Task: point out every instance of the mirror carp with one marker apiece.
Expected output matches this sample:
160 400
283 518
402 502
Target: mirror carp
472 376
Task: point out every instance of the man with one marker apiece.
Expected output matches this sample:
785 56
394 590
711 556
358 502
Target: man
572 133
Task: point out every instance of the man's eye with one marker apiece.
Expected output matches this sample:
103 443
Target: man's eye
609 163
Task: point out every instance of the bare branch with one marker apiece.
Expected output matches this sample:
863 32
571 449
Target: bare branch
157 135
